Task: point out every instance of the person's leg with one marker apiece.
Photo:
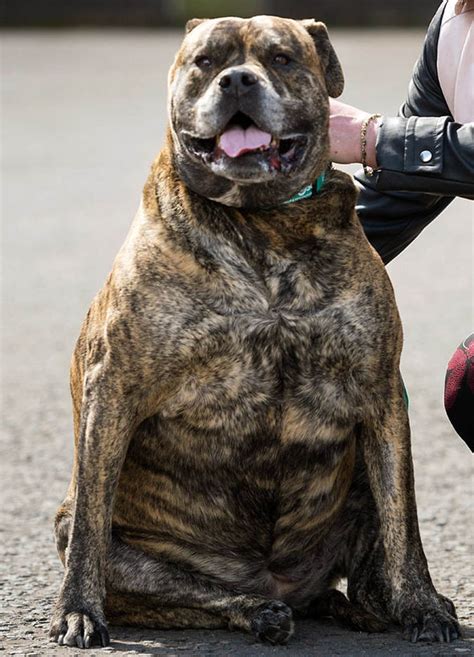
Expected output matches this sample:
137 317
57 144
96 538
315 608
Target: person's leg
459 391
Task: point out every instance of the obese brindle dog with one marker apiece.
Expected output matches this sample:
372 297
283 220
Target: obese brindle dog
241 437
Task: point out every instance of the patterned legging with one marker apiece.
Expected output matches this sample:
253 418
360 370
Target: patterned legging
459 391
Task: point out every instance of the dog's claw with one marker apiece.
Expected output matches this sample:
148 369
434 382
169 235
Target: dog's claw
431 625
79 630
104 638
414 635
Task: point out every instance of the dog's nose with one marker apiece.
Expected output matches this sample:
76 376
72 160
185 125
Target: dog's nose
237 81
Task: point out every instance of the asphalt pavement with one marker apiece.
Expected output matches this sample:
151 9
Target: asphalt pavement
83 114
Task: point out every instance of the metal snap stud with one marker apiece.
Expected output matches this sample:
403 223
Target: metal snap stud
426 156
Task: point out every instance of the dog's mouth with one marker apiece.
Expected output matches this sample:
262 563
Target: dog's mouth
242 142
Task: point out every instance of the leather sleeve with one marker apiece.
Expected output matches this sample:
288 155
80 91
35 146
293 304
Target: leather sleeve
426 159
426 154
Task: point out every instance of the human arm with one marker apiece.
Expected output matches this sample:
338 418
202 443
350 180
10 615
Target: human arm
393 219
423 154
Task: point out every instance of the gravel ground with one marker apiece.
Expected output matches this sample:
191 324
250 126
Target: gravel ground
84 113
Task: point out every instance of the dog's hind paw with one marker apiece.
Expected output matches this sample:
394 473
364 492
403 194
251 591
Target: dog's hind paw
273 623
353 616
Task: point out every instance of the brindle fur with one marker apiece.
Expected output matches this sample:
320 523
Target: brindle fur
241 439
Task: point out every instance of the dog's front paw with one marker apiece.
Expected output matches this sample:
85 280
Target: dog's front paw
273 622
79 629
431 622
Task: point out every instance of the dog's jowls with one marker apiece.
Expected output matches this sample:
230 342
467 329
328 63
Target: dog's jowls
241 439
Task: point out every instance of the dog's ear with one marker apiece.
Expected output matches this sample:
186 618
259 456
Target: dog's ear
192 23
329 61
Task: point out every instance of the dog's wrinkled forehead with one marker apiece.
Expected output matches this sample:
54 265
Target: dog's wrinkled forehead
244 38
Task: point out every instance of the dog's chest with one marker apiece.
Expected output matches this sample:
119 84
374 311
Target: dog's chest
247 346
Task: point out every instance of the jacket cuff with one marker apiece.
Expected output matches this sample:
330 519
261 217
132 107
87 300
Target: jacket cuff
411 145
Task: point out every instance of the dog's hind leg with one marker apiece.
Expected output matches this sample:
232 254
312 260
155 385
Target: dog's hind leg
354 542
148 611
143 590
62 528
334 603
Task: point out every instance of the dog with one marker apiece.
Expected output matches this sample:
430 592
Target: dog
241 437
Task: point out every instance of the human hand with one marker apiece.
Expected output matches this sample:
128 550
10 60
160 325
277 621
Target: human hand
345 123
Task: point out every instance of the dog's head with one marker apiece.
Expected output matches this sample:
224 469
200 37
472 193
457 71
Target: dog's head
248 103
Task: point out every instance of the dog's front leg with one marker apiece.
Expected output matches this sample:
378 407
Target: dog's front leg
107 420
411 598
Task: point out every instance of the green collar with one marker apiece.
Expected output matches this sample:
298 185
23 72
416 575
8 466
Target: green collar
309 190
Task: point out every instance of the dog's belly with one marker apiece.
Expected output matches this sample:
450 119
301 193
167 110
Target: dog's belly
247 465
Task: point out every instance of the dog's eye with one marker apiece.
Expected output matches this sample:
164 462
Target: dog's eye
281 59
203 61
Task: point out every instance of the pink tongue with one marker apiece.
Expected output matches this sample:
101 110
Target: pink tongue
237 140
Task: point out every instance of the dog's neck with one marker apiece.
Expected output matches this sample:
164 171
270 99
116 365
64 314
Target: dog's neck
193 216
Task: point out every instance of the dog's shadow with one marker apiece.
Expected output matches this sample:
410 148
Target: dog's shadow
311 638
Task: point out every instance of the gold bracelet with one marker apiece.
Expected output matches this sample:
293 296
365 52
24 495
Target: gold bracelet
363 143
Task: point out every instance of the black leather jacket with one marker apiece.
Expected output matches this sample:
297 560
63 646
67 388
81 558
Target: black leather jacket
407 193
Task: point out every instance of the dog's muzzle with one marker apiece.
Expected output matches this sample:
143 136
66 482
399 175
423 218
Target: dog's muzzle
242 142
